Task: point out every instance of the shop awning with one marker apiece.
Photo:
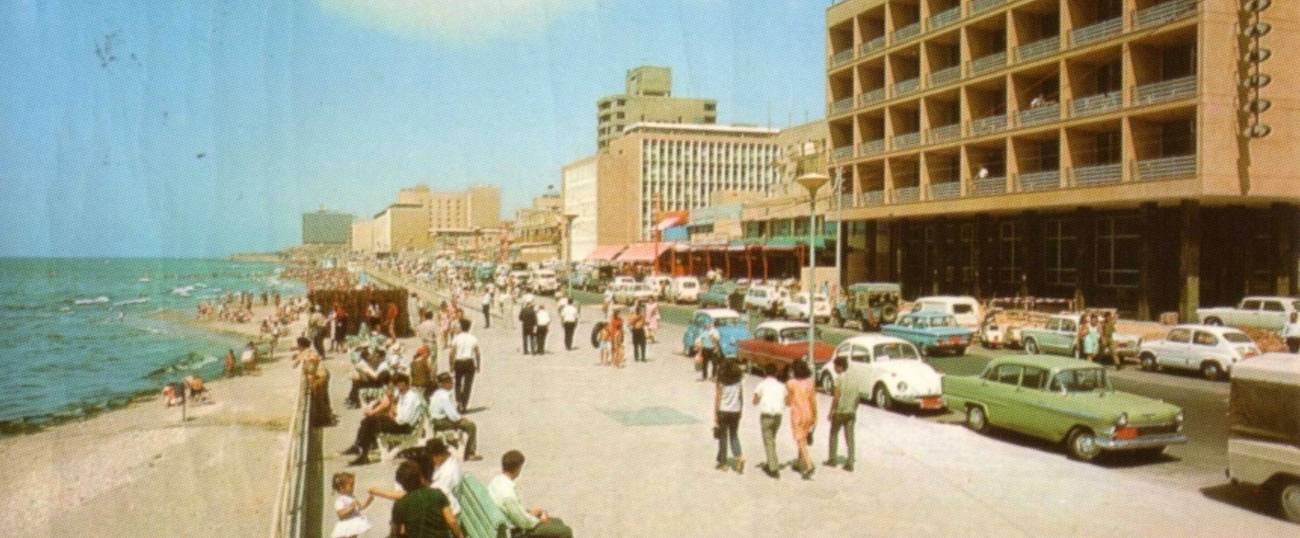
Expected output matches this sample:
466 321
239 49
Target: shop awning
605 253
670 221
643 252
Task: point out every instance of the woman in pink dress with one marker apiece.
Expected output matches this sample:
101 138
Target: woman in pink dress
801 396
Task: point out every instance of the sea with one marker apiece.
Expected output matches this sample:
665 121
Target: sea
80 336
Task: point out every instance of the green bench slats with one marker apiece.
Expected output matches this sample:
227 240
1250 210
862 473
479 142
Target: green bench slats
479 515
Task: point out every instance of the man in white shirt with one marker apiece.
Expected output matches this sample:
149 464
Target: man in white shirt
710 344
400 419
569 317
446 417
446 473
539 333
770 396
464 363
487 308
533 523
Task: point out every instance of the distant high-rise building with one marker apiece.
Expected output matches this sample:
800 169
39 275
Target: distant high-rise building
649 98
325 227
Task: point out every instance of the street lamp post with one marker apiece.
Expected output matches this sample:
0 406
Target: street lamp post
568 254
812 182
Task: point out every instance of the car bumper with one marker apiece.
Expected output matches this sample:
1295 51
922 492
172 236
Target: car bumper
928 402
1145 441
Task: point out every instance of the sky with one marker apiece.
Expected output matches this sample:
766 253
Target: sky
188 129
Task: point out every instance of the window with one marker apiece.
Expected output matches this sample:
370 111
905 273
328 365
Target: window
859 354
1180 336
1237 338
1273 306
1250 304
1067 325
1033 378
1009 374
959 308
1061 248
895 351
1008 246
1117 239
1206 339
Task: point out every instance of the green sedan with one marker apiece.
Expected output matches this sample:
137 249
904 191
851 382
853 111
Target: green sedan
1063 400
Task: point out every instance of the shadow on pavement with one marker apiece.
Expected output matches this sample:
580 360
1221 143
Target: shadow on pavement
1242 496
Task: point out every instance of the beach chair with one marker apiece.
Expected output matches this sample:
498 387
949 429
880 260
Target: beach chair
390 444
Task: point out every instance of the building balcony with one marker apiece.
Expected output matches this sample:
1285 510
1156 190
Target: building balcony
907 32
907 140
1096 32
946 133
1039 115
989 186
1096 104
842 57
872 147
1163 13
905 87
842 153
988 63
873 198
872 97
943 76
943 18
980 6
988 125
873 45
1179 167
945 191
1038 49
1167 90
841 106
907 195
1045 180
1095 175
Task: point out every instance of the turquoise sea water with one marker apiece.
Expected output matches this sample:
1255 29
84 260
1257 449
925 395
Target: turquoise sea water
64 359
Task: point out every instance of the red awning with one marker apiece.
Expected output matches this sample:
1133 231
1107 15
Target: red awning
643 252
604 253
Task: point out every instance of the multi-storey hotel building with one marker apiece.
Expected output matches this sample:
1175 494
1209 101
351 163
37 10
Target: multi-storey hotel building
1067 148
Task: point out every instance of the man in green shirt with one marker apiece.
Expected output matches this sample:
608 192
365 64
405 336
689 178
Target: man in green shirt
844 412
423 512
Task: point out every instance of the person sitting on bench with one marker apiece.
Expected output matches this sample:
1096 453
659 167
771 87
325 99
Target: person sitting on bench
535 523
442 409
385 418
365 374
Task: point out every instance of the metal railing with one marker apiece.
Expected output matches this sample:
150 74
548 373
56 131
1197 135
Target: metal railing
873 45
872 147
945 191
846 200
1038 49
1165 168
907 195
907 32
1096 32
944 18
939 135
1039 115
945 76
1163 13
874 96
1045 180
1096 104
904 87
1098 174
907 140
842 153
842 57
1167 90
980 6
989 186
842 106
290 518
873 198
988 63
989 124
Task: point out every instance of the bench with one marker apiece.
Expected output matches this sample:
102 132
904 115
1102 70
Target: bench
479 515
392 443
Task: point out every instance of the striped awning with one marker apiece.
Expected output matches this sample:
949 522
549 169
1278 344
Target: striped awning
605 253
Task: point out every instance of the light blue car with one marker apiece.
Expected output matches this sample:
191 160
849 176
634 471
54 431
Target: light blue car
931 332
731 327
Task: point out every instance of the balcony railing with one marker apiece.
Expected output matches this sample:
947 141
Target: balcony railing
988 186
842 106
988 63
980 6
874 96
845 200
907 195
1096 104
945 76
945 191
1045 180
904 87
1165 168
1167 90
939 135
873 45
1163 13
842 153
1099 174
944 18
907 140
873 198
1038 49
907 32
1039 115
872 147
990 124
842 57
1096 32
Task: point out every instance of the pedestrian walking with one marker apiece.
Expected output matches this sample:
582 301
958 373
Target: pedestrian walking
709 344
466 361
637 324
427 331
770 397
1091 339
488 297
614 331
528 325
543 327
843 415
727 397
652 320
1291 333
569 318
802 399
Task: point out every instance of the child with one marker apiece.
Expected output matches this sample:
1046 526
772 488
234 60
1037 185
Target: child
351 521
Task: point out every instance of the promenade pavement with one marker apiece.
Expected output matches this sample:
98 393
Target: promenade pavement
629 453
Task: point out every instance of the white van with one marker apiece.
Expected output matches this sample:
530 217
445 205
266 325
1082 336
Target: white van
661 284
964 308
1264 440
544 282
684 289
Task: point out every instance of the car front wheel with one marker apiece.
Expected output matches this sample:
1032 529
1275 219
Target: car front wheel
881 398
976 420
1149 362
1211 371
1031 347
1288 500
1082 444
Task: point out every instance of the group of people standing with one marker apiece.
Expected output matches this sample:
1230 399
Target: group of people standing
1096 338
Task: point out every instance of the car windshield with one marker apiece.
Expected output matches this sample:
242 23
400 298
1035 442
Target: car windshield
797 334
942 321
895 351
960 308
728 322
1237 338
1081 380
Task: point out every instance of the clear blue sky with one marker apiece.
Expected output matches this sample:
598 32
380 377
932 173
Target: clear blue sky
203 128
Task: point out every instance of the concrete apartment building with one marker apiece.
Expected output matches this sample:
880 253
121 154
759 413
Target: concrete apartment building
363 236
325 227
648 97
401 227
1063 148
578 195
538 230
454 215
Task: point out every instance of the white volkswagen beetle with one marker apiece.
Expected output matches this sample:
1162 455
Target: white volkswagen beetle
887 370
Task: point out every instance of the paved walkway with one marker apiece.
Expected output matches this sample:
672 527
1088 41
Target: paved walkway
629 453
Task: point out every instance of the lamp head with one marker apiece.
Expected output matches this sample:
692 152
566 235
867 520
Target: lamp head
812 182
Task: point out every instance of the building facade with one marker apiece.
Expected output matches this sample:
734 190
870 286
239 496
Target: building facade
325 227
578 193
1065 148
538 230
401 227
363 236
648 97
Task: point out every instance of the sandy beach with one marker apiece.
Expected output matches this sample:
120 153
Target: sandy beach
141 471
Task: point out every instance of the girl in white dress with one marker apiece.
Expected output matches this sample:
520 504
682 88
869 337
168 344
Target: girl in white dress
352 522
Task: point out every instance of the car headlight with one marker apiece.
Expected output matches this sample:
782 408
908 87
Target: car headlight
1178 419
902 386
1122 421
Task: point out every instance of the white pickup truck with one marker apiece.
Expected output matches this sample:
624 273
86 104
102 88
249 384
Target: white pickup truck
1260 312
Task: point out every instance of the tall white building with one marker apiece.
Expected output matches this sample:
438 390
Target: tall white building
578 191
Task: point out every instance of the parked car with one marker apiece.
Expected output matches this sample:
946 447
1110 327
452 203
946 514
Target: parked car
888 371
780 344
719 295
543 282
1212 350
520 277
869 304
931 332
1063 400
660 284
1060 336
684 289
965 309
629 294
1264 440
765 299
730 327
992 334
796 307
1259 312
622 280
